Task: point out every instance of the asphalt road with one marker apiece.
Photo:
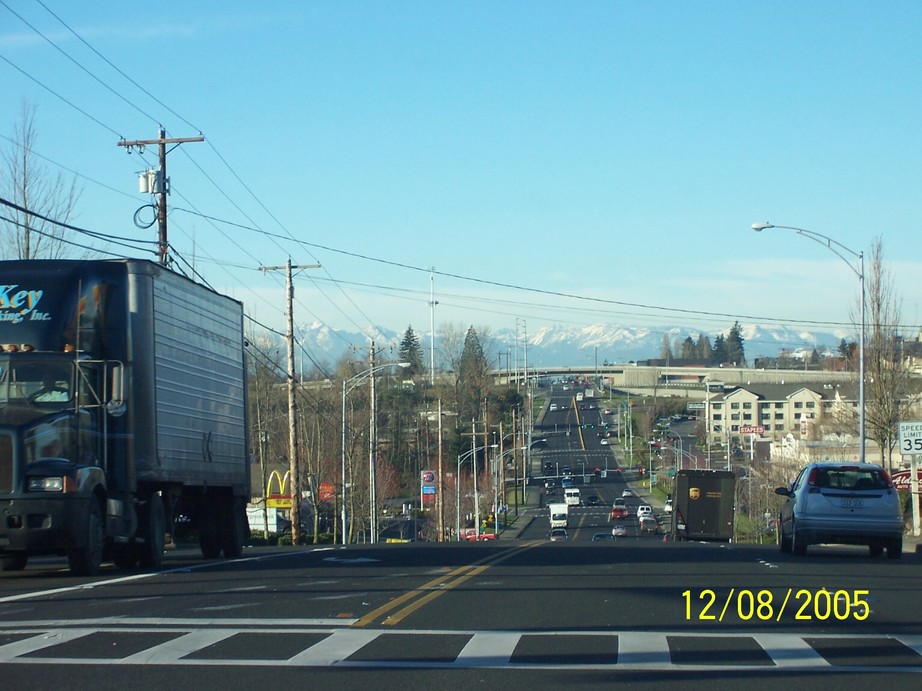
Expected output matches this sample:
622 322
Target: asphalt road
518 613
521 613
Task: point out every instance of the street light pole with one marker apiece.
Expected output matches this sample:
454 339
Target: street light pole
837 248
470 452
357 379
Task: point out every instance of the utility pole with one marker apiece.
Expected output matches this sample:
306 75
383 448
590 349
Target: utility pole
293 479
432 303
373 450
441 496
159 183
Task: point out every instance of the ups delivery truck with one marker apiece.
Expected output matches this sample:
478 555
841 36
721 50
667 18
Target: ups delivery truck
703 505
122 407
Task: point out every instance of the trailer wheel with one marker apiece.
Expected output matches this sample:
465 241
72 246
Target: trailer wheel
232 527
208 533
13 562
153 529
86 560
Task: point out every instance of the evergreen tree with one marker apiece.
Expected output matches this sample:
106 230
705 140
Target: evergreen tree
412 352
719 354
472 377
688 349
735 350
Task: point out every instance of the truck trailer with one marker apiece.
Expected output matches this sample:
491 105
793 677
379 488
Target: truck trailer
122 409
703 505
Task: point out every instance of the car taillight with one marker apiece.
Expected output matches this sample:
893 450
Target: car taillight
887 478
811 478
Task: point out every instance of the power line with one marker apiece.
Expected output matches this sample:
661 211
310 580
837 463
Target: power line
59 96
123 74
69 57
91 233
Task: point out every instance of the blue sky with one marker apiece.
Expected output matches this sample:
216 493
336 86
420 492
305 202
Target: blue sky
605 158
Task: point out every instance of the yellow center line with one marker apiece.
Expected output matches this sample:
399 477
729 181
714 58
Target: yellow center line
436 587
431 595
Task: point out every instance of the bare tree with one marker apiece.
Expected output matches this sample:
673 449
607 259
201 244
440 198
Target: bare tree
30 186
886 376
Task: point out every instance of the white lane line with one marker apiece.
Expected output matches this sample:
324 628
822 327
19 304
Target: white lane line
175 649
643 650
488 649
45 639
334 648
790 650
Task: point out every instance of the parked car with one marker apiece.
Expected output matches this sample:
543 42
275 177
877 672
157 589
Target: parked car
558 535
841 503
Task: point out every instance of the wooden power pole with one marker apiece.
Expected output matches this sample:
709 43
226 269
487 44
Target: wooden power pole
293 464
160 185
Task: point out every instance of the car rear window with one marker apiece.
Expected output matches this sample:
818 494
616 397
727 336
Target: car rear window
850 479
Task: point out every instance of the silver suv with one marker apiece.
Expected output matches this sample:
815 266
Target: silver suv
841 503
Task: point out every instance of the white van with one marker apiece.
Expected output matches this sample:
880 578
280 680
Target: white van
571 496
644 510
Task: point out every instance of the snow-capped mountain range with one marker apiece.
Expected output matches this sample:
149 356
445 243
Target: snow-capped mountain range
580 345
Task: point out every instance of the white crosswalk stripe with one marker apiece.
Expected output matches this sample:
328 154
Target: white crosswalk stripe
179 642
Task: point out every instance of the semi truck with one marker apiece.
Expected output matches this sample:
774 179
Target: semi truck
703 505
123 410
558 514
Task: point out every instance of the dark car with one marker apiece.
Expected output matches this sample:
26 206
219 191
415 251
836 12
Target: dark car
593 500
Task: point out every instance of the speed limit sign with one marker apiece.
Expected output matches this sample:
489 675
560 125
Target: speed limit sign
910 438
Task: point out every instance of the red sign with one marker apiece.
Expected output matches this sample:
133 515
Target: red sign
327 491
902 479
752 429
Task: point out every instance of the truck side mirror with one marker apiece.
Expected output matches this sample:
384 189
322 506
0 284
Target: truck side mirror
116 404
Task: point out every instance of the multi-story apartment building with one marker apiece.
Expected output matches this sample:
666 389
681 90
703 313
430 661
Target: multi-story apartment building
799 413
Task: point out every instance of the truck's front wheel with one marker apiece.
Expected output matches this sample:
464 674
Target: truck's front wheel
13 562
87 559
153 529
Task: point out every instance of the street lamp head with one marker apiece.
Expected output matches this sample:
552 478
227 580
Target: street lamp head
404 365
759 227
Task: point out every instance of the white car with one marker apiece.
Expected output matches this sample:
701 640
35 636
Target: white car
668 506
841 503
644 510
626 492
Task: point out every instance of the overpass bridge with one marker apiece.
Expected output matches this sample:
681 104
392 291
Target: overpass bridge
691 382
